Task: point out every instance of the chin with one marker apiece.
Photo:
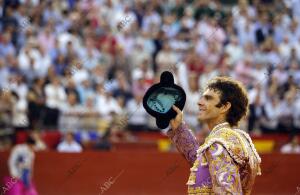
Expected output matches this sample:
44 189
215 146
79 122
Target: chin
201 119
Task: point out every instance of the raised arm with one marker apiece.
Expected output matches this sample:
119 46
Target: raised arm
183 137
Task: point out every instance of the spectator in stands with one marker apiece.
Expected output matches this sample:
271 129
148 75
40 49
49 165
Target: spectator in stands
18 84
166 58
47 38
270 115
90 116
71 88
293 147
60 64
85 90
234 50
70 114
286 110
122 88
6 46
243 71
263 29
145 69
137 116
6 105
210 71
36 103
194 62
118 130
4 74
139 54
69 144
192 96
139 85
256 100
19 113
55 99
106 104
79 74
98 75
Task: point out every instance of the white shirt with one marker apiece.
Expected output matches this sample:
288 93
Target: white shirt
281 75
235 53
288 149
148 20
272 113
165 59
72 147
107 105
137 73
4 75
79 75
285 50
20 89
19 114
191 109
136 113
90 57
66 37
55 96
286 109
246 33
210 32
127 42
253 95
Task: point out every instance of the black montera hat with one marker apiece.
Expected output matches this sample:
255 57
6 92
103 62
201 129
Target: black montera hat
160 98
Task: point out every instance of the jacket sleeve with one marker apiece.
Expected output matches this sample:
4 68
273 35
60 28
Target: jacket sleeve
223 170
185 142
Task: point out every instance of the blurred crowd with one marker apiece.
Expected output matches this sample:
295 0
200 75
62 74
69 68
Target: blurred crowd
85 65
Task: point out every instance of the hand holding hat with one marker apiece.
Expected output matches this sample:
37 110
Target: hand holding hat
175 123
160 98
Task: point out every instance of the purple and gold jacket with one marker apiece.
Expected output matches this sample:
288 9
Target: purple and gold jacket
226 163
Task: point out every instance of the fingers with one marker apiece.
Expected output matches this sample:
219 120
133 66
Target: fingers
176 109
172 121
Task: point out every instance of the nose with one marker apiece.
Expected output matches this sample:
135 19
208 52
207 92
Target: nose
201 102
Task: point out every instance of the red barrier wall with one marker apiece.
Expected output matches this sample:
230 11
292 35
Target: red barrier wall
141 173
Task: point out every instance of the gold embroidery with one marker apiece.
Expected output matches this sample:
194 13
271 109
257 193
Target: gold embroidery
229 133
223 135
253 149
192 179
195 166
200 190
203 161
237 144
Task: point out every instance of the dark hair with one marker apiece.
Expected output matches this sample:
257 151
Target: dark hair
234 92
30 140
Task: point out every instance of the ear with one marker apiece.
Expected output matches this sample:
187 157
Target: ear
225 107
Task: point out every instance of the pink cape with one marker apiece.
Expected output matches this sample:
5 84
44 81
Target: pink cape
14 186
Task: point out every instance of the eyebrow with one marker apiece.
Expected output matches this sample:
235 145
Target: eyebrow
208 97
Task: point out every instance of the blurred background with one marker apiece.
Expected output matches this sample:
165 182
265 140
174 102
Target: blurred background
73 74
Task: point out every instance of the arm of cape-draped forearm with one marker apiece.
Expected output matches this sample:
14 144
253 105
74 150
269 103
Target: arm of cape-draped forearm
223 170
185 142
